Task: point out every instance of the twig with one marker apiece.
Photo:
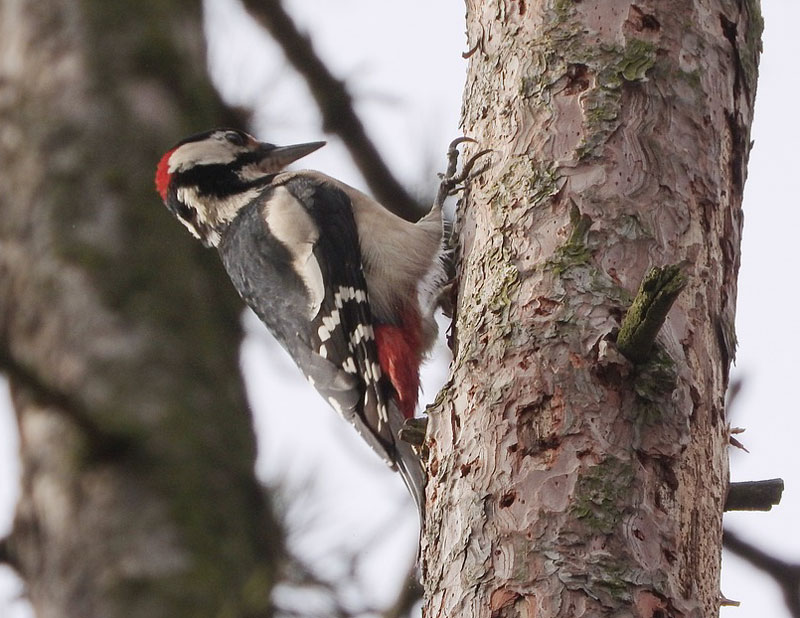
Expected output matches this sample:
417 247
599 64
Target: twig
754 495
647 312
786 575
336 106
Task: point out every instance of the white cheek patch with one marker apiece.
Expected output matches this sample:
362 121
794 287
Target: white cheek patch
191 197
214 212
251 172
289 222
227 209
205 152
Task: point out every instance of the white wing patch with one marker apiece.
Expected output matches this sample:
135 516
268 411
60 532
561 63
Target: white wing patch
289 222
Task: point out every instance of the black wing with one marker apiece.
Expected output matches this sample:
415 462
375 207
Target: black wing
342 338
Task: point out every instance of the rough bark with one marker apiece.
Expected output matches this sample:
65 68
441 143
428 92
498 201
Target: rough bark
119 335
566 481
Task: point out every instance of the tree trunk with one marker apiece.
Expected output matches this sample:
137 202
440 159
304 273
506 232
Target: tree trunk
119 336
565 480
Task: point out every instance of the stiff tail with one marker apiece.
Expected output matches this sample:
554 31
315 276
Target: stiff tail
409 466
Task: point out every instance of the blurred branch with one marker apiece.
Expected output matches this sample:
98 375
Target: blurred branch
786 575
101 442
339 592
336 107
754 495
6 556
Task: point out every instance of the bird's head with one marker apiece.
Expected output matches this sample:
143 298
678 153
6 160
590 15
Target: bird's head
207 178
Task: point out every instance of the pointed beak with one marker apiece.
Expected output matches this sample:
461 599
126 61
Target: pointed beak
278 157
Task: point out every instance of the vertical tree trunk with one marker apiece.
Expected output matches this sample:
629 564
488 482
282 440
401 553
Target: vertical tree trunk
564 480
119 336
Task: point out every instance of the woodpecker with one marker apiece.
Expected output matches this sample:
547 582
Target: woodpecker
347 288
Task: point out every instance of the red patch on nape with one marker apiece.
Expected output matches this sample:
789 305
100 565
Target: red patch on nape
399 357
163 176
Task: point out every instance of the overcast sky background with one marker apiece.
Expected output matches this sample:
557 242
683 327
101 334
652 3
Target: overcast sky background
405 70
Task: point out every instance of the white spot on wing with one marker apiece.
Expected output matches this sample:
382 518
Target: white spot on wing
346 293
323 333
349 365
362 332
332 321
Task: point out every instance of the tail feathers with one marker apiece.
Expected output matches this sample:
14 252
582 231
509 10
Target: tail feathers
409 466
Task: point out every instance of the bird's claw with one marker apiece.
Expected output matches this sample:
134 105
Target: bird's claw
452 182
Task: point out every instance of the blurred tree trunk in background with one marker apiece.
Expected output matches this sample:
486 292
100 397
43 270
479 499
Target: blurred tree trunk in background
564 480
119 334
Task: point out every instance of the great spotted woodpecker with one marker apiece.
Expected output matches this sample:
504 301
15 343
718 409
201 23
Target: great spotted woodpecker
348 288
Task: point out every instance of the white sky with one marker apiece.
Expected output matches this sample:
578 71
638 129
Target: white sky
407 74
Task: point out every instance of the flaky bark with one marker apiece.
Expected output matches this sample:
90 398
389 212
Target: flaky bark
119 336
566 481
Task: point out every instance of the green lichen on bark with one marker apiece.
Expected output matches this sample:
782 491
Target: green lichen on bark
494 299
600 494
542 183
608 68
573 260
536 182
638 57
655 377
506 282
750 54
575 251
601 104
612 576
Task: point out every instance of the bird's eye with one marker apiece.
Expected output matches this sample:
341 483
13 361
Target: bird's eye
237 139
